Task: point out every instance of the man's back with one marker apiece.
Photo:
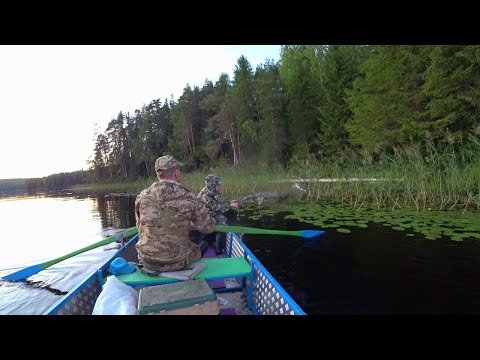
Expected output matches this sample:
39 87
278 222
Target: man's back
166 212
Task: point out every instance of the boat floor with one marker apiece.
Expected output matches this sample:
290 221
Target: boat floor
232 300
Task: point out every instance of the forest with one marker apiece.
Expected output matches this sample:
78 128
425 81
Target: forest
318 103
408 112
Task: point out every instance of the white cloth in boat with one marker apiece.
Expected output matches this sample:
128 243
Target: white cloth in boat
116 298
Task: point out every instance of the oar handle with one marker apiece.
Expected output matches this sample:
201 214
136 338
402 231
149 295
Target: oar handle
106 241
251 230
31 270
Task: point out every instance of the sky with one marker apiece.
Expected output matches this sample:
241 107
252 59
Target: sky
54 98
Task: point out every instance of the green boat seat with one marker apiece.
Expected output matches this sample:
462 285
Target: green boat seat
221 268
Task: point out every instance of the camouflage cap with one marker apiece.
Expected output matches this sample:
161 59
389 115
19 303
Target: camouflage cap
213 180
165 163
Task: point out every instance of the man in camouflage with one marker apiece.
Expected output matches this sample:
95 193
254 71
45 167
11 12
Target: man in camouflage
212 198
165 213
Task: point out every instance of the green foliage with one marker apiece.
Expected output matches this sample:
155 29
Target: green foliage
243 91
244 108
339 69
67 180
407 113
452 84
272 131
301 77
387 102
217 107
186 124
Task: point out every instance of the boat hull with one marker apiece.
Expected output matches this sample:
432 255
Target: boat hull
264 295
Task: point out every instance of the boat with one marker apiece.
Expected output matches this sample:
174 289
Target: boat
253 286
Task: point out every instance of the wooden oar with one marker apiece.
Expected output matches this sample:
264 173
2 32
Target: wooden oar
251 230
31 270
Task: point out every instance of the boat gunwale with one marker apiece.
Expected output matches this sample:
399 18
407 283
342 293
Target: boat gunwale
52 310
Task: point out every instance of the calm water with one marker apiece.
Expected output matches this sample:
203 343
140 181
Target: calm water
370 271
39 228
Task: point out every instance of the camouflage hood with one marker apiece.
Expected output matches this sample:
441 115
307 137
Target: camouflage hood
211 181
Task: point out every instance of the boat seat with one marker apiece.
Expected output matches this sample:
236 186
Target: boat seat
221 268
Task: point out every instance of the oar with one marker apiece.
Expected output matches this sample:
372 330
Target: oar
251 230
31 270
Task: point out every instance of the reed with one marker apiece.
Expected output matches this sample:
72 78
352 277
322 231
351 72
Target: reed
417 176
428 177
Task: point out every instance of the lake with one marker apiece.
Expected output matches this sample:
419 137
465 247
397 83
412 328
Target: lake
384 262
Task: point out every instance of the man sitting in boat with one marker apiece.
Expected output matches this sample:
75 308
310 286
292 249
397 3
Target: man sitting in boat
165 213
212 198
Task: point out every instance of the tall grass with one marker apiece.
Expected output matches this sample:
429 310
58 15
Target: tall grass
425 177
428 177
241 182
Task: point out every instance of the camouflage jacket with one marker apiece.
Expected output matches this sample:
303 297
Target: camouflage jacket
215 204
165 213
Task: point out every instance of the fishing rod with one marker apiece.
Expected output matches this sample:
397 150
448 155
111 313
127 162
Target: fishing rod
261 196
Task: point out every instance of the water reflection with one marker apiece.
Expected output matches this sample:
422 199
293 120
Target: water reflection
375 270
44 226
371 271
115 210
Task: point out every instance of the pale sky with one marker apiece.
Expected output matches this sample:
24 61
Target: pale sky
51 97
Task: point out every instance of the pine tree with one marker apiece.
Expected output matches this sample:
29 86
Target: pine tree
387 102
453 87
221 127
272 133
338 71
301 78
245 108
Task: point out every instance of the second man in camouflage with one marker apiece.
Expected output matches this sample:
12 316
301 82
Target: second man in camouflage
212 198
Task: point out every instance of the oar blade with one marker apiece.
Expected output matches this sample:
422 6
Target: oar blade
24 273
311 233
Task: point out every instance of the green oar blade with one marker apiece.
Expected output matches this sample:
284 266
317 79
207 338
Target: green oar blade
252 230
32 270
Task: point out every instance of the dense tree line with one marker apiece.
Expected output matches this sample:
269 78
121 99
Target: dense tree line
312 104
62 180
12 185
54 181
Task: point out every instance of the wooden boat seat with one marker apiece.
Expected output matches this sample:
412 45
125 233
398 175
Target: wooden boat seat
221 268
